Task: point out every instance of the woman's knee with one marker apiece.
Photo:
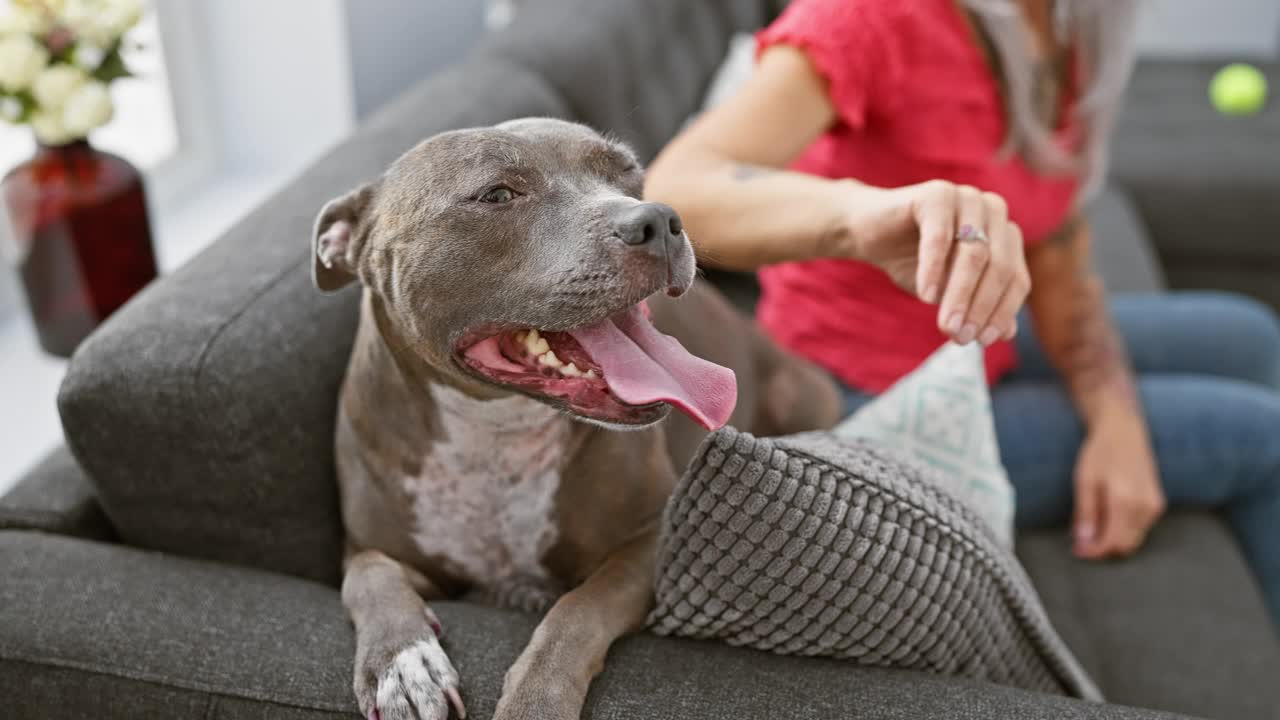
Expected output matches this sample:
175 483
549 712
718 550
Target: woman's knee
1248 329
1214 438
1202 332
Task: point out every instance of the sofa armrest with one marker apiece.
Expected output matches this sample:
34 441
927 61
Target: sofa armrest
55 496
108 631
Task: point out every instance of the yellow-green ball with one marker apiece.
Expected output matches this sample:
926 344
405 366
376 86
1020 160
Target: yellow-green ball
1238 89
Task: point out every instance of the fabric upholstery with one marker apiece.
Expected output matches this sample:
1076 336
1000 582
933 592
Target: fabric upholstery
55 496
1204 183
821 546
636 69
939 416
1122 251
1178 626
203 413
204 409
100 632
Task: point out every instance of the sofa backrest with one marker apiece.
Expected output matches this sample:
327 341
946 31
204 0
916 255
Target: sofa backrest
637 68
204 410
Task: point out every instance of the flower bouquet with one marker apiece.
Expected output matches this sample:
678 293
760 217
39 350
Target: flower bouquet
80 236
57 59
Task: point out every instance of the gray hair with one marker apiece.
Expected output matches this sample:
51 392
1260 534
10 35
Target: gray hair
1102 33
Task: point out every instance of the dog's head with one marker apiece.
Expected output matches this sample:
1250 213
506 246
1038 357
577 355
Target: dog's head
517 258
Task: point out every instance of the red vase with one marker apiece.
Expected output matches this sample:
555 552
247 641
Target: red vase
83 239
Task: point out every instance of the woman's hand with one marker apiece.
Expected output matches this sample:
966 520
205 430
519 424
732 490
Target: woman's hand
949 244
1118 494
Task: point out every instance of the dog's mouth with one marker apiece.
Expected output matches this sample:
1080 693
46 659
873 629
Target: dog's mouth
620 370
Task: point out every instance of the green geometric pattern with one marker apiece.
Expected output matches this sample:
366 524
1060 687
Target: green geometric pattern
940 415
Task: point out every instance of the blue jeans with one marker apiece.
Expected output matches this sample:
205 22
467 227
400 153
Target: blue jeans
1208 367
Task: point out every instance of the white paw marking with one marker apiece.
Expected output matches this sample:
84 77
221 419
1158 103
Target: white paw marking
420 685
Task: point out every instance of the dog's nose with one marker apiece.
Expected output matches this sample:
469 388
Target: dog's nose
649 223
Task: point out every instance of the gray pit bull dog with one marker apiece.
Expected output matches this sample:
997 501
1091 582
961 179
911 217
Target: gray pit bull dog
498 428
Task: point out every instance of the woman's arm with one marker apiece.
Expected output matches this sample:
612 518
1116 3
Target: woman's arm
1117 486
1069 306
724 175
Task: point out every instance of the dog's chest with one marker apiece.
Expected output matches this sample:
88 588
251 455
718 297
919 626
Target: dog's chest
484 500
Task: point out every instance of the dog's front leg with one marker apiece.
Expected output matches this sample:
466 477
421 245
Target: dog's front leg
550 679
401 672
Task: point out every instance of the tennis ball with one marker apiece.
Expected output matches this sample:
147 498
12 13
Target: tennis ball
1238 89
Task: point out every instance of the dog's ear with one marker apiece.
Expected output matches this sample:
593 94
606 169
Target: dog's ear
338 239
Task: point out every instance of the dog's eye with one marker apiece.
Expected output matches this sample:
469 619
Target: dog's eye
498 196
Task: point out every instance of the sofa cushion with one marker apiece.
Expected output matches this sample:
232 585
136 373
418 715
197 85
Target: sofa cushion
939 416
1180 626
821 546
636 69
204 410
89 630
1122 251
55 496
1205 183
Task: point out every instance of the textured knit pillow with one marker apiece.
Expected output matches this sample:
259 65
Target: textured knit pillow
940 415
812 545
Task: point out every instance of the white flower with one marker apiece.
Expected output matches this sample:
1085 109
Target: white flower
25 19
102 22
88 56
49 129
87 22
87 109
10 109
21 60
120 16
55 84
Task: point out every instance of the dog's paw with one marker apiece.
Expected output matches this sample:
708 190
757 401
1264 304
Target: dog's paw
539 703
537 688
419 684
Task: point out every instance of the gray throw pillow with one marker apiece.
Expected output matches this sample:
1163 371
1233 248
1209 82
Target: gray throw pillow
813 545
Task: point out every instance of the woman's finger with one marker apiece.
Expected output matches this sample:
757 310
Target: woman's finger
969 257
1084 524
936 217
1007 275
1124 527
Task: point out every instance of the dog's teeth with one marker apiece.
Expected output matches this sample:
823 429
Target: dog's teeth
549 358
535 344
590 375
571 370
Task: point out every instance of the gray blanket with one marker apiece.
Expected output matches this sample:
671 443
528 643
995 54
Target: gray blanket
809 545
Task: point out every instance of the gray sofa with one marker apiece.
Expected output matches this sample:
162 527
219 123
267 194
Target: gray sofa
181 558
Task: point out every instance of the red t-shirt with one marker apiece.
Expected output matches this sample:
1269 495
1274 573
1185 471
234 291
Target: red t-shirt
916 100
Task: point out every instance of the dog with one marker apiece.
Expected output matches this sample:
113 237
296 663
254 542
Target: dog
526 325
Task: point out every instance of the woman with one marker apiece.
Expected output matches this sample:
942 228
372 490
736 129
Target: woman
940 152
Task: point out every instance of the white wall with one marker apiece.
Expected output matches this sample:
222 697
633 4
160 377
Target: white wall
277 80
1216 28
395 43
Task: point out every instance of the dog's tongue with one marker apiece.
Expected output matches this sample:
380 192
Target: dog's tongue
643 366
